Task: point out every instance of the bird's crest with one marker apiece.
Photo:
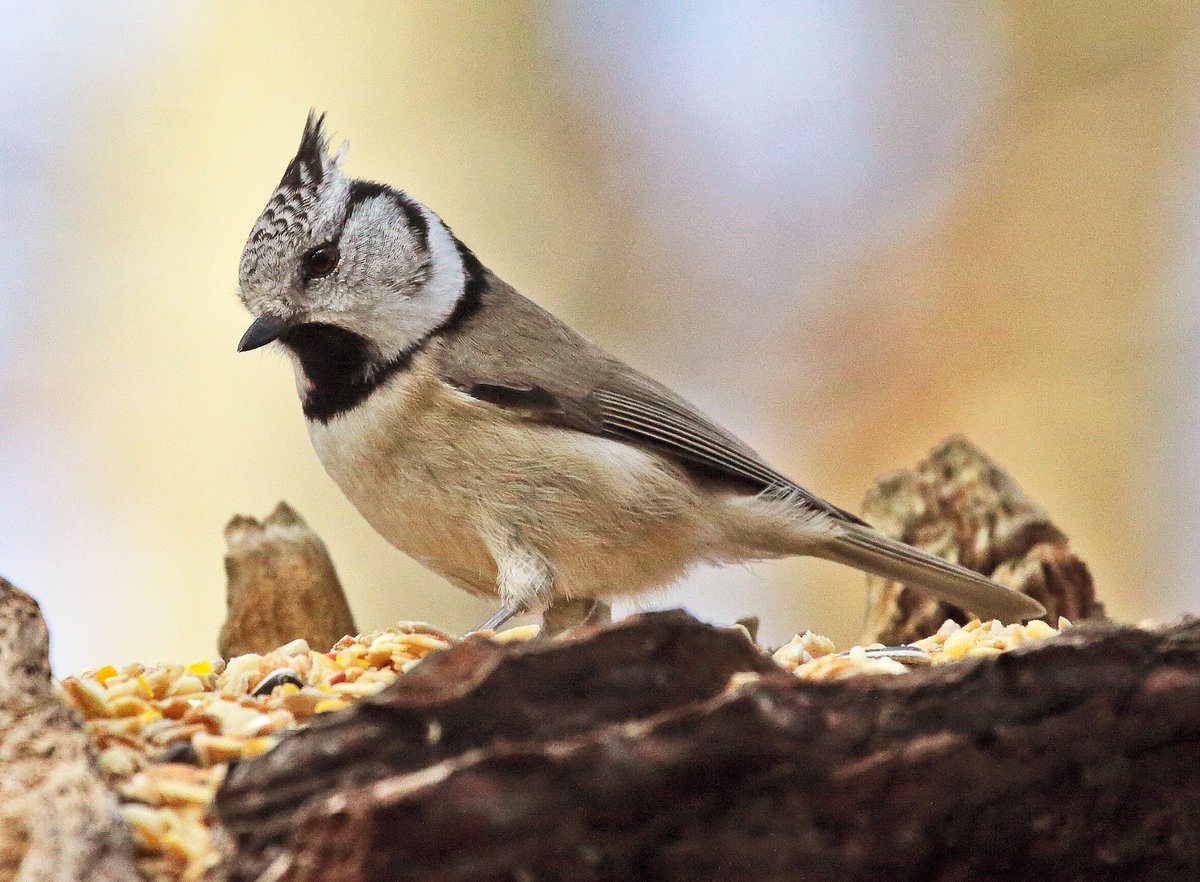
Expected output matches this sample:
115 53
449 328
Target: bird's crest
312 162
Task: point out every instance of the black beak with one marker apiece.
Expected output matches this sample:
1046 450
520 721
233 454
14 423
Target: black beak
266 329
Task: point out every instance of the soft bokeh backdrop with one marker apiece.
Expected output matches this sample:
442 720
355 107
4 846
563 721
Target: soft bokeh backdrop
843 229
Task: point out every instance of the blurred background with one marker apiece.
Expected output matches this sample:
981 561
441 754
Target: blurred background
843 229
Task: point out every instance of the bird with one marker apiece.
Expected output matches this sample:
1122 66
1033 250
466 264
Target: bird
498 447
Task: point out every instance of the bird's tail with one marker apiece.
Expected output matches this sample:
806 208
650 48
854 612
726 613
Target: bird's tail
867 549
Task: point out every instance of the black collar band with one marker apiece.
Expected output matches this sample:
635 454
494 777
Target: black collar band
338 364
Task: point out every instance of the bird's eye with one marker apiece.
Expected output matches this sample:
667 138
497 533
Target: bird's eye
320 261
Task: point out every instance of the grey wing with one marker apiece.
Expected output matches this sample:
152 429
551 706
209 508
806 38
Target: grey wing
642 415
539 367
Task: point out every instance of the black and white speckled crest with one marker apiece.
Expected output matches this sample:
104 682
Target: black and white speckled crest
301 211
308 166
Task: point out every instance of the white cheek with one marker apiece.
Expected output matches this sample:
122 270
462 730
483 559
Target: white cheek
448 276
396 320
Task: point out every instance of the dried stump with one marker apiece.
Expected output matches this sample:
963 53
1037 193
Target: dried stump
960 505
281 586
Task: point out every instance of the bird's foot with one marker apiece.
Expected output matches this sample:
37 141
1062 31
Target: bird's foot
909 656
499 617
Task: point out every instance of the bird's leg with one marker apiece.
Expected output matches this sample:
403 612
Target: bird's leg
524 582
498 618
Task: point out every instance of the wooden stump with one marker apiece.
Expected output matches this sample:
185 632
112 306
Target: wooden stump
960 505
281 586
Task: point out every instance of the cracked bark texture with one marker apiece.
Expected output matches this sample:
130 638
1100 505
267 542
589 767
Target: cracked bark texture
661 748
960 505
281 585
58 821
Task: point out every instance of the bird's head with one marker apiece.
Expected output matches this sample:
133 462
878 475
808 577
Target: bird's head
336 266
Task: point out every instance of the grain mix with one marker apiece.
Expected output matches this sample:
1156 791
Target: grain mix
165 733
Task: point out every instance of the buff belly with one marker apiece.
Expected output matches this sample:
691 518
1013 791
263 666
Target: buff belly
453 482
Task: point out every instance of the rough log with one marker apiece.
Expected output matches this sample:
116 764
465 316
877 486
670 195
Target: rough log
660 748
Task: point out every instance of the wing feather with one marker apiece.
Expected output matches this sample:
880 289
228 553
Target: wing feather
693 437
514 355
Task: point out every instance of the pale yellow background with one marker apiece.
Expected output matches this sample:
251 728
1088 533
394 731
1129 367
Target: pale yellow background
1036 291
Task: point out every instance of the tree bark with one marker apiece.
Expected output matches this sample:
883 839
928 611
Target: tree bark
58 820
661 748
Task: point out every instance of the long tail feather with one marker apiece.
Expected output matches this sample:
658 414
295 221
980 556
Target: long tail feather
867 549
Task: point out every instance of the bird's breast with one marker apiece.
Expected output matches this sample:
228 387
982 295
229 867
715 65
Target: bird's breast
449 479
390 457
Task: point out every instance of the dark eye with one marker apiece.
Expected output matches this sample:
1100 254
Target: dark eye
320 261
